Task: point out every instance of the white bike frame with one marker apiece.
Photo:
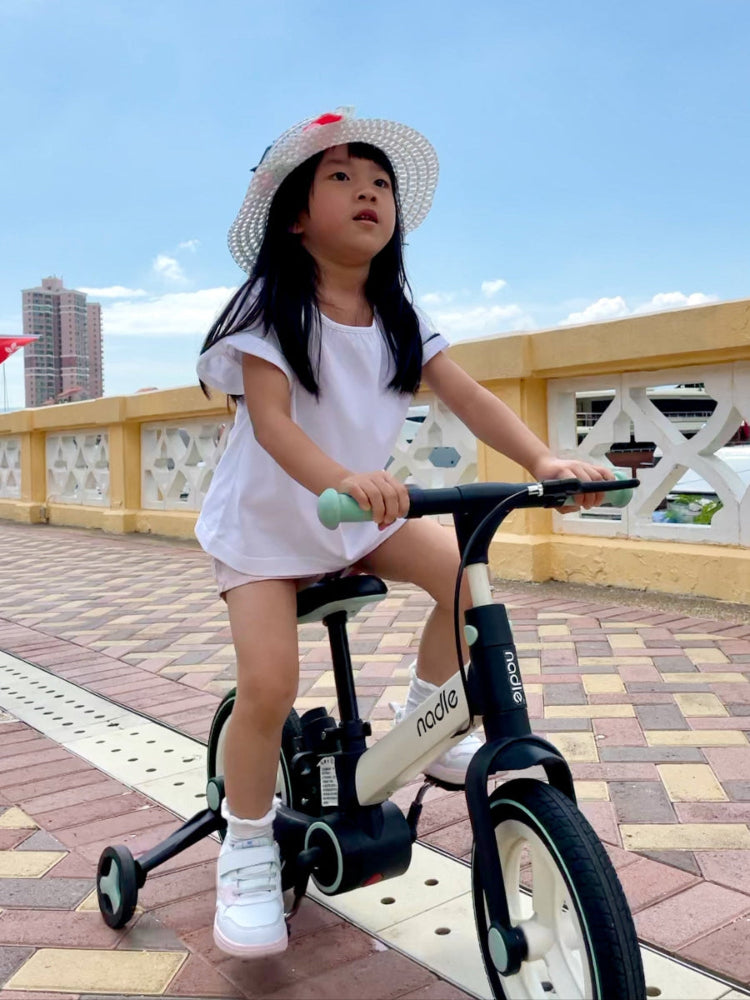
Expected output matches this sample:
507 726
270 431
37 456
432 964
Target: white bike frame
439 723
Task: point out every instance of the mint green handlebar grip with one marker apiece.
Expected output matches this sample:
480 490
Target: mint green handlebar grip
333 508
619 498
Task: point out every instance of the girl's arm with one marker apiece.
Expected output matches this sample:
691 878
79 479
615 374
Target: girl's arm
267 398
493 422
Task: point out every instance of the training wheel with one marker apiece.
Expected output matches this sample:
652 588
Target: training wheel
117 885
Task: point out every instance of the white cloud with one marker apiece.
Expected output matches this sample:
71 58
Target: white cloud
191 245
436 298
481 321
490 288
599 311
461 315
114 292
675 300
169 269
614 308
173 314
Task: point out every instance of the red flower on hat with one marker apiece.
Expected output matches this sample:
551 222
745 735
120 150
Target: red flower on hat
327 119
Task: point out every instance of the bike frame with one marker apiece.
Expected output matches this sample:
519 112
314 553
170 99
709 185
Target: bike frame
364 778
440 722
493 693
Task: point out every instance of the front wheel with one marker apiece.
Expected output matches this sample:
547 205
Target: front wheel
575 917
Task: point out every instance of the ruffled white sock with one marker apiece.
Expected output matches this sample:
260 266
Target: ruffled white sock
242 830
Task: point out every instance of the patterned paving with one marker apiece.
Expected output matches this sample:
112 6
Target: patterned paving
651 706
53 940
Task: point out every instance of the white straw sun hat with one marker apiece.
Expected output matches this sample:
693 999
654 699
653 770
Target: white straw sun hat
413 158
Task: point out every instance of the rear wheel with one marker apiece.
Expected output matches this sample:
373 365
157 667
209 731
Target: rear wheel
217 742
580 934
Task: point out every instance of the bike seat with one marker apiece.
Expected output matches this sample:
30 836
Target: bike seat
347 593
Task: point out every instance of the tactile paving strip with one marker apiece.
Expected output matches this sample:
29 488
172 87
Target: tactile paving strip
130 747
426 914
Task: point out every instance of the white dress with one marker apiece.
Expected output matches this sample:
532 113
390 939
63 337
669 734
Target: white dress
258 520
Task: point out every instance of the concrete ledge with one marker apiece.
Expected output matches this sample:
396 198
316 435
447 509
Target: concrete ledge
22 511
74 515
172 523
694 570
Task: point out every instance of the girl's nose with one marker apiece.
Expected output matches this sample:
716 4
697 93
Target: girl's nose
369 192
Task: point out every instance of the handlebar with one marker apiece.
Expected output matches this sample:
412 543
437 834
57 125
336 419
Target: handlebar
335 508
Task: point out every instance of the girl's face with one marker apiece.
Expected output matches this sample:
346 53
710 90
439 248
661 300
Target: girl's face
351 212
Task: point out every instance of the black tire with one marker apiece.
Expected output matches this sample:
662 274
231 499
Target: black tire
117 885
609 958
289 746
291 731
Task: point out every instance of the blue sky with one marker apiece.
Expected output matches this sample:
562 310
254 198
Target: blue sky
594 154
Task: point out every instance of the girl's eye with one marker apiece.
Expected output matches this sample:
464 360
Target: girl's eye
340 176
382 182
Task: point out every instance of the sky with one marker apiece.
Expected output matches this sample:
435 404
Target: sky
593 154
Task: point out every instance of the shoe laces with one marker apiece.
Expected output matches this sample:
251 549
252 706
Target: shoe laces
259 878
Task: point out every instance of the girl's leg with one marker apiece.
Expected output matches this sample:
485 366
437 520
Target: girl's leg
263 620
426 553
249 918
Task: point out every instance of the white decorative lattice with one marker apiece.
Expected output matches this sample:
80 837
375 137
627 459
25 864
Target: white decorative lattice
178 460
78 467
443 452
10 468
631 412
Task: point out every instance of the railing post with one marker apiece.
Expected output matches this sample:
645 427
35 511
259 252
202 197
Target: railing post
531 559
34 474
124 474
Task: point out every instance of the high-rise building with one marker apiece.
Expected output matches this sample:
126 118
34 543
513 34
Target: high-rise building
65 363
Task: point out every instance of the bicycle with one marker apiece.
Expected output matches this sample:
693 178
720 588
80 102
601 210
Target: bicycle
572 935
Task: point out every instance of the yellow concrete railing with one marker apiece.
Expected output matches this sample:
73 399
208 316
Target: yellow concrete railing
517 368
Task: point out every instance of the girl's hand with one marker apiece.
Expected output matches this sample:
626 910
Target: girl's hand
379 492
568 468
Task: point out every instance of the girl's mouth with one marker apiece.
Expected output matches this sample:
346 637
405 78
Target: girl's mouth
366 216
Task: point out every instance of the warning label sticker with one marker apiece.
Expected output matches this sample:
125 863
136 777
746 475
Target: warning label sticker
329 786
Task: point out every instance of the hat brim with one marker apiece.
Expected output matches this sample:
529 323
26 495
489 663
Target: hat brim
413 158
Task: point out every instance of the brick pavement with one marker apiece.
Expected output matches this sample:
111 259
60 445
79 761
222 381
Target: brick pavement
52 937
651 706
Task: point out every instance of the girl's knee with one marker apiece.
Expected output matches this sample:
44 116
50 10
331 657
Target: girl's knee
267 692
447 595
263 711
442 585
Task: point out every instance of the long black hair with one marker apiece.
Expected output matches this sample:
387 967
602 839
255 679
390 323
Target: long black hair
281 290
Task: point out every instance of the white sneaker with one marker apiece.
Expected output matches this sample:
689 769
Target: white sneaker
249 920
452 764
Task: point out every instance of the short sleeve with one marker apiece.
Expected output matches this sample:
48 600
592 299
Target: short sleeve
221 365
432 341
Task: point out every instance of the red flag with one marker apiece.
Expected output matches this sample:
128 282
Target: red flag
9 345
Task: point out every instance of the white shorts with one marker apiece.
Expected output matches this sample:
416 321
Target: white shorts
228 578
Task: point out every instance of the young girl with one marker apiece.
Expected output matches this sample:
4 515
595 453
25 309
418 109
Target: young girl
323 351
